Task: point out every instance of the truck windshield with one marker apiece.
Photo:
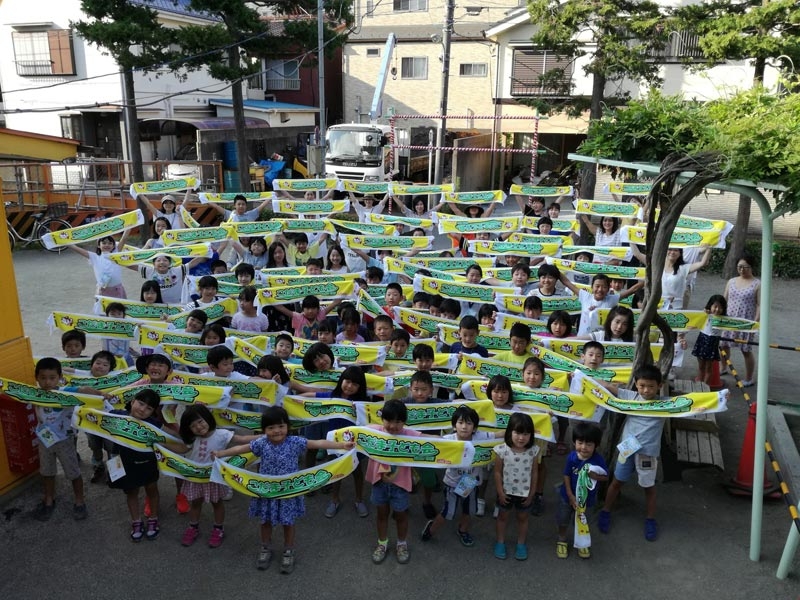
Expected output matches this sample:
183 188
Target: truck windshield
353 144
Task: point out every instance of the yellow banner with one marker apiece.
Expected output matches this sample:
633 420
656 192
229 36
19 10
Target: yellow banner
629 189
451 264
106 383
554 360
187 217
496 225
542 423
565 404
175 253
681 238
618 252
406 451
253 391
366 187
607 209
120 429
376 384
486 337
151 335
233 418
228 197
165 186
387 242
292 280
215 311
587 268
431 416
94 325
176 465
615 352
283 486
414 189
347 354
364 228
252 228
504 321
331 290
537 238
304 185
677 406
138 310
678 320
542 191
304 409
394 265
193 235
513 249
476 198
310 207
187 354
734 324
397 219
564 225
29 394
181 394
247 350
451 381
471 292
516 303
94 230
476 366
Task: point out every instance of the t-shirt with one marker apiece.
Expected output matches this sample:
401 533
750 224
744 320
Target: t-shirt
306 329
673 286
507 356
589 320
454 474
399 476
573 466
57 420
107 273
517 469
171 282
357 340
250 215
174 219
478 349
257 324
202 447
299 259
647 430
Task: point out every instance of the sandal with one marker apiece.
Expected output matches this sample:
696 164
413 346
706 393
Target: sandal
561 549
584 552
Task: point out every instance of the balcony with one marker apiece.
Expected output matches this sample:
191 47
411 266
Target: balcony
282 83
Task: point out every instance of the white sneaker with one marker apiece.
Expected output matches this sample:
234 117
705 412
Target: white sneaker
495 512
481 507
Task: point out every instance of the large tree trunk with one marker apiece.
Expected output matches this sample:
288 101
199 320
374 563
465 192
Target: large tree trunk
237 100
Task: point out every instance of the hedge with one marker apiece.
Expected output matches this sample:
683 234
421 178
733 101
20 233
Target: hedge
786 258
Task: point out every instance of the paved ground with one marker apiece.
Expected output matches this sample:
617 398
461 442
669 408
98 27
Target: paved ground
702 550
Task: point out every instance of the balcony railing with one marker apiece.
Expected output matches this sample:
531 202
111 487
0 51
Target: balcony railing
282 83
534 88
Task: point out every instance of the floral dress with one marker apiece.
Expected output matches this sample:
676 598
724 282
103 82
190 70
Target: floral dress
742 304
280 459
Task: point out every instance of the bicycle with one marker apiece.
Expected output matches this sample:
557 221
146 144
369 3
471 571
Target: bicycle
43 223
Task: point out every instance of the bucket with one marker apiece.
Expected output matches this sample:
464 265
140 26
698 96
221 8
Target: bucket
230 155
231 181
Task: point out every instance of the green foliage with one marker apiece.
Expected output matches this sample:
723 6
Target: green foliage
785 257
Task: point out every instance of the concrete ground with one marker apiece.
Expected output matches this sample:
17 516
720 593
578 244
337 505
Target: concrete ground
702 550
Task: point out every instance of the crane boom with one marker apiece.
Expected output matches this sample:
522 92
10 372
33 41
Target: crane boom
376 110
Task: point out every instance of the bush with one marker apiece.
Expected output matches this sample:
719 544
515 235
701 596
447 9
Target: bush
786 258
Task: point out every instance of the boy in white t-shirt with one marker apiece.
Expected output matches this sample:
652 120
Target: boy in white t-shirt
596 299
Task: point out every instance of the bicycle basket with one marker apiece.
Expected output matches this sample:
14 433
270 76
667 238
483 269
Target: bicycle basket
57 209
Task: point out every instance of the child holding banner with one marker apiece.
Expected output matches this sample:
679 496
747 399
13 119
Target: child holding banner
279 454
306 323
107 273
501 394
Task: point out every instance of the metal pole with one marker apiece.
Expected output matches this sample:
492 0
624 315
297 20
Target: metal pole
447 30
321 70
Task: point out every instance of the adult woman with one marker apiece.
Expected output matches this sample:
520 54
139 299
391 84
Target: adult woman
743 294
335 261
607 233
673 279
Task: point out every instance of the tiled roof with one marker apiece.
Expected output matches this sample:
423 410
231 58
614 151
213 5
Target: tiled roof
178 7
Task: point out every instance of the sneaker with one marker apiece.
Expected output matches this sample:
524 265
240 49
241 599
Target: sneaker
402 553
152 529
43 511
426 531
79 512
182 504
495 512
362 510
562 550
650 530
137 531
521 552
99 474
537 506
584 552
500 551
228 495
146 506
264 558
379 554
287 562
189 536
429 510
747 383
604 521
332 509
466 538
481 508
215 539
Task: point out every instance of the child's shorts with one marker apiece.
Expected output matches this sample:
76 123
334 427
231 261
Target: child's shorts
565 514
64 452
645 466
427 477
388 493
455 504
514 502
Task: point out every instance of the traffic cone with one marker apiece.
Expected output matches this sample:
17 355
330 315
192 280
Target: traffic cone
742 484
715 382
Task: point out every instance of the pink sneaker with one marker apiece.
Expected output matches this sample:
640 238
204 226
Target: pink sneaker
190 536
215 540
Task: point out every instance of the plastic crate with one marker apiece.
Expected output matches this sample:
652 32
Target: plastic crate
57 209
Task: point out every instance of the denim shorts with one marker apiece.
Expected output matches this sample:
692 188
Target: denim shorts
645 467
514 502
387 493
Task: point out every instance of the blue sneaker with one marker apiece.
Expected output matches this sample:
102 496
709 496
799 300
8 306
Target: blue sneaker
650 530
521 552
604 521
500 551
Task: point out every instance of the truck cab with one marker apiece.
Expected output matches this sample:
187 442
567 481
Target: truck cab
358 151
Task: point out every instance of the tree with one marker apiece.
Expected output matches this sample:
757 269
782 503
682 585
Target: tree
232 49
618 37
759 30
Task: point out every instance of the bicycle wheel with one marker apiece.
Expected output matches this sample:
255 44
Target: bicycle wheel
51 226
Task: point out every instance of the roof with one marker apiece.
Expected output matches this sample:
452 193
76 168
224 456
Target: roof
176 7
202 124
416 33
514 18
265 105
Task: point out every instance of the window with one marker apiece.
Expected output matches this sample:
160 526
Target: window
370 9
472 69
540 73
373 52
682 46
283 75
71 127
414 68
410 5
44 52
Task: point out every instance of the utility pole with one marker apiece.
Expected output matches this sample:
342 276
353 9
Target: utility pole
321 69
447 30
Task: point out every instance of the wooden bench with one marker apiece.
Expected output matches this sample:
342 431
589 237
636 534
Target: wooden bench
693 440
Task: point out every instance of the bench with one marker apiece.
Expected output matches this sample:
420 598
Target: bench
693 441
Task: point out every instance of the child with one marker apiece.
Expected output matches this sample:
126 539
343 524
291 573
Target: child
586 437
284 346
318 357
240 214
207 286
618 326
520 339
515 479
255 254
450 308
167 211
460 484
351 320
549 275
559 325
382 327
335 262
647 432
56 443
248 318
73 343
706 348
306 323
160 225
532 307
326 332
423 356
314 266
421 389
596 299
533 372
107 273
486 315
279 454
245 274
593 355
468 334
399 342
213 335
102 364
200 434
117 347
169 278
391 486
298 253
141 468
499 391
392 297
151 293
